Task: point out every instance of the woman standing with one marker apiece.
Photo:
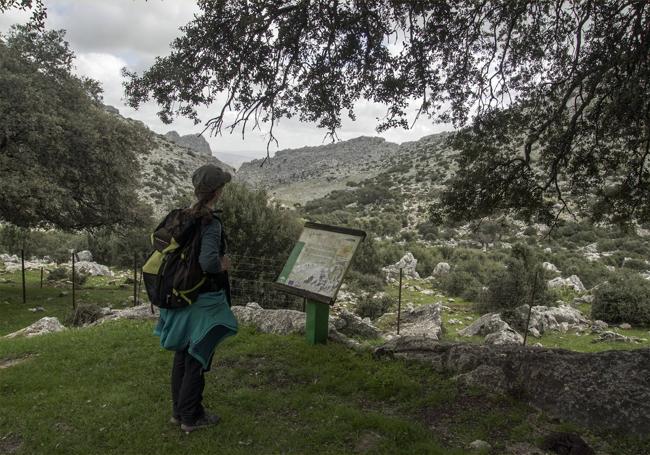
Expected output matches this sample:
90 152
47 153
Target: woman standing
193 332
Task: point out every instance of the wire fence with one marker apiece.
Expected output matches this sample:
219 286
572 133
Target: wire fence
251 279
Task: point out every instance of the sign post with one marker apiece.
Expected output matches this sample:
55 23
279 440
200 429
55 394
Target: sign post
315 270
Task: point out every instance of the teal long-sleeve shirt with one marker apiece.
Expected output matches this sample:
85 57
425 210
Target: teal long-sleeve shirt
211 254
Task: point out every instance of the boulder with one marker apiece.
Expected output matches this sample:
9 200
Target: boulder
142 312
624 326
505 336
40 327
352 325
550 267
544 318
84 256
598 326
572 282
479 445
407 263
281 322
485 325
93 268
9 259
441 268
422 320
591 389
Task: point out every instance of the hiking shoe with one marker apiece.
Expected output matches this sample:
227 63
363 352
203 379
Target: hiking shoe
207 420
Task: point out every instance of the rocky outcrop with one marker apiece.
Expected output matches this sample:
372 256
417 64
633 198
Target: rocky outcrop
485 325
544 319
606 390
193 142
408 263
41 327
93 268
422 320
441 268
572 282
352 325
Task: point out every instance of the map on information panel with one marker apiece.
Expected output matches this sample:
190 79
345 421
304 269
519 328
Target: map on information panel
319 260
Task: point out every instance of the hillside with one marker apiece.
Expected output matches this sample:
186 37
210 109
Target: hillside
166 167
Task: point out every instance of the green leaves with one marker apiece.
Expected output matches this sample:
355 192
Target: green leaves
64 161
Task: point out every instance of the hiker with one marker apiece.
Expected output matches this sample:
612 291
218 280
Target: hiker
194 331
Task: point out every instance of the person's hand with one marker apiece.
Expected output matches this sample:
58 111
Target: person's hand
225 263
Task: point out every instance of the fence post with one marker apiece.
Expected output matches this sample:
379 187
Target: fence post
41 277
530 306
399 299
22 266
135 279
74 299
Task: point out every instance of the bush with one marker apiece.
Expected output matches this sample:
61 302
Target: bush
364 281
85 313
624 298
460 283
515 285
373 307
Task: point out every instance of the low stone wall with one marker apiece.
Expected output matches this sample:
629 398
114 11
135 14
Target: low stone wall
606 390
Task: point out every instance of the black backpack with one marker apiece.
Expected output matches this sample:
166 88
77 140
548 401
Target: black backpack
172 274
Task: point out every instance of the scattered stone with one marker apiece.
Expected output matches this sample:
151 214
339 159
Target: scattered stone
41 327
441 268
453 322
598 326
140 312
36 309
591 248
480 445
450 300
625 326
609 336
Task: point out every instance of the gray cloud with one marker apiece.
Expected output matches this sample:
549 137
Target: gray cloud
109 34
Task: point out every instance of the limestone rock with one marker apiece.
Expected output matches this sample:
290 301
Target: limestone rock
625 326
423 320
281 322
550 267
609 336
85 256
141 312
485 325
572 282
598 326
40 327
441 268
352 325
544 318
407 263
505 336
591 389
93 268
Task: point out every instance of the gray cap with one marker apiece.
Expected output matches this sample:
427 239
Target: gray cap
209 178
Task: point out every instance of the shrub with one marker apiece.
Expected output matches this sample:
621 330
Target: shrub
364 281
58 274
460 283
624 298
513 286
85 313
373 307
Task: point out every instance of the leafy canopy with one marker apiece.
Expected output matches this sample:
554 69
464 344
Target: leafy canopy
554 94
64 161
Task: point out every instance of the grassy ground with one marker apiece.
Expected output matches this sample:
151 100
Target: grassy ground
105 390
460 310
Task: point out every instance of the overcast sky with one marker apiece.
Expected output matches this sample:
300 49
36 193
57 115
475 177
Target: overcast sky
107 35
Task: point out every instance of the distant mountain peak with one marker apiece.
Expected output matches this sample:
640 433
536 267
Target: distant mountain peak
193 142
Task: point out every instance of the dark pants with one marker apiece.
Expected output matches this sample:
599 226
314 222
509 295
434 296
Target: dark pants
188 383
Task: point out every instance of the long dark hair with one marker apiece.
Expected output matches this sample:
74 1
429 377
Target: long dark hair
200 208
